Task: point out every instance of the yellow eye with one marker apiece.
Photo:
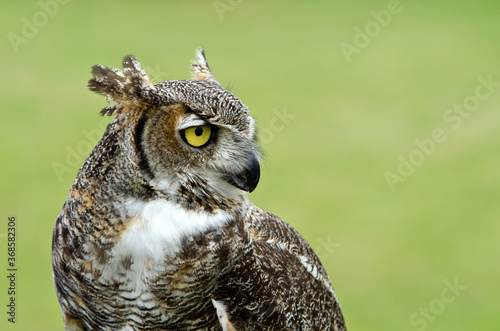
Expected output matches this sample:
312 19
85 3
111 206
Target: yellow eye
198 136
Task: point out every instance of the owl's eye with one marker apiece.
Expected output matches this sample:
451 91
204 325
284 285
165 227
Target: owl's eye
197 136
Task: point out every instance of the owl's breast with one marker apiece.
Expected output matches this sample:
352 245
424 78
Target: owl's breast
164 265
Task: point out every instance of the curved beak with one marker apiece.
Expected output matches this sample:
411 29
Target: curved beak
247 179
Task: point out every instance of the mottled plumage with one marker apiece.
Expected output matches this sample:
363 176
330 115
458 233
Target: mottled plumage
157 232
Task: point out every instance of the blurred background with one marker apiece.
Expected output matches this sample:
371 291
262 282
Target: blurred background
379 121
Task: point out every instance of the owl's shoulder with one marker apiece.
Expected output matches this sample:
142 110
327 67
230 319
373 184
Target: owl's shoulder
282 276
267 229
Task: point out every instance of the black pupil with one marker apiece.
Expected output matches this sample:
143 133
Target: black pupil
198 131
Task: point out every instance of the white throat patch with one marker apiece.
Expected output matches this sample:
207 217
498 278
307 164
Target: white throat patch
158 228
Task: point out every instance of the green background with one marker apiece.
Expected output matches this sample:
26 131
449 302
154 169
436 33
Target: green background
389 252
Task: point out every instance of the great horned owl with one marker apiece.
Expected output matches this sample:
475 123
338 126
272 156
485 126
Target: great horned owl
157 232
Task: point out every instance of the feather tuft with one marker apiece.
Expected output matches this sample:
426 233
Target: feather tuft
126 90
201 70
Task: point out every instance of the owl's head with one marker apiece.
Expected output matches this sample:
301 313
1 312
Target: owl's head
193 130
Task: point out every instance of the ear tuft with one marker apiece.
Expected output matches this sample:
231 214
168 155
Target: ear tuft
201 70
125 90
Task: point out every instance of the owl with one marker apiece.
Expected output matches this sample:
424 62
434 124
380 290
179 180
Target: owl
157 232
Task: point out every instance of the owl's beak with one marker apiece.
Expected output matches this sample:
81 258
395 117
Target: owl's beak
247 179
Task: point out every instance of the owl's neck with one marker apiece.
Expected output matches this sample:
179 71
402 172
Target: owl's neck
200 193
173 210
